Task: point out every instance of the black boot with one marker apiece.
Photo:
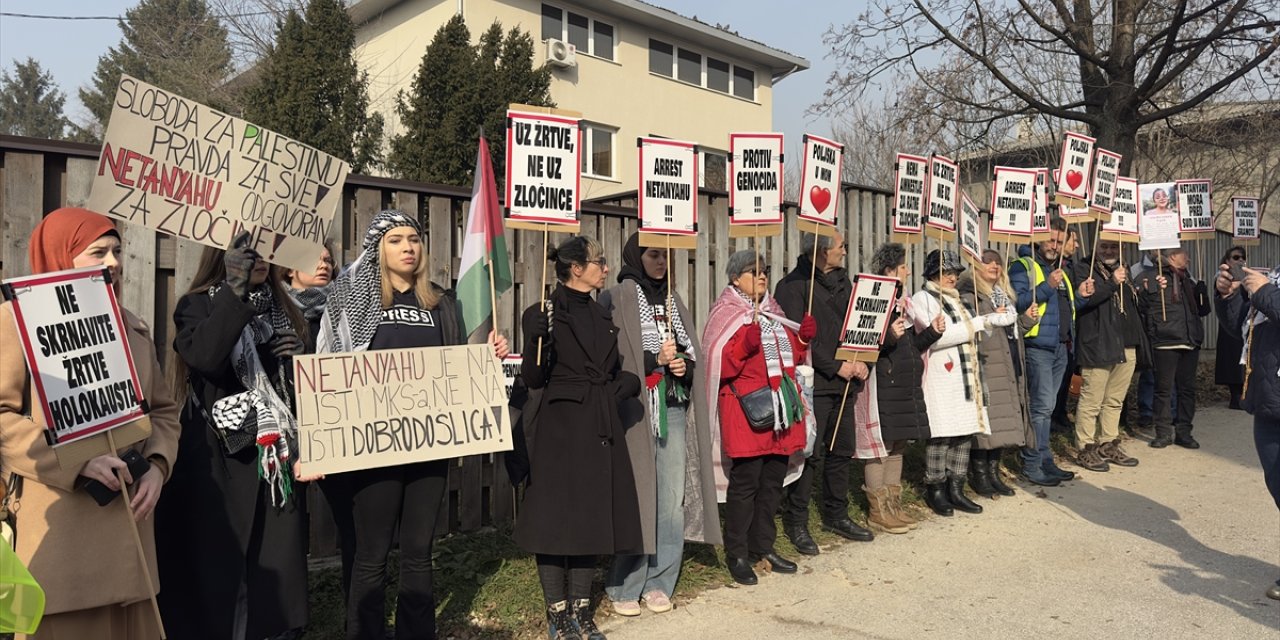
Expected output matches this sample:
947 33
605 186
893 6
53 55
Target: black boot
935 495
560 622
740 569
993 472
955 493
847 528
980 474
585 618
799 536
1164 437
777 563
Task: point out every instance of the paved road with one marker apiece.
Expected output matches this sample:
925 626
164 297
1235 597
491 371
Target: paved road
1182 546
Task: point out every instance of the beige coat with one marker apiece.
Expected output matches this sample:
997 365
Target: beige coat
82 555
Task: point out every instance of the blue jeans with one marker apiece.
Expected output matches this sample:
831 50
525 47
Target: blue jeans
1045 368
633 576
1146 396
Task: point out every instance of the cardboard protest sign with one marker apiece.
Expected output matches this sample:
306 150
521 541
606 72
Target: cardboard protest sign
1013 194
910 179
1124 212
544 171
1245 220
944 196
1195 214
755 188
1105 171
971 240
1075 165
1071 210
379 408
181 168
668 194
867 317
511 370
73 339
1040 228
820 185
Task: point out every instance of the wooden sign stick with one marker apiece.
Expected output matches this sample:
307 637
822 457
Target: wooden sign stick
1160 270
813 270
844 397
137 540
542 293
755 248
671 283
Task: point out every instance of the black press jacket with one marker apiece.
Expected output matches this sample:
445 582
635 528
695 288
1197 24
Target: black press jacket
830 301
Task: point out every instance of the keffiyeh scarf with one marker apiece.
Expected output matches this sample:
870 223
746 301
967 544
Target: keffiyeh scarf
659 385
780 363
310 301
354 306
1251 320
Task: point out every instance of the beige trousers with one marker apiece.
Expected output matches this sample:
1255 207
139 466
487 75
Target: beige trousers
1101 400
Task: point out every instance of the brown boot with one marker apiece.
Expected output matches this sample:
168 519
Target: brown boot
895 504
881 514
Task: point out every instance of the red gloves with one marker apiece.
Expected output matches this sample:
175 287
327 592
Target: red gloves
751 340
808 329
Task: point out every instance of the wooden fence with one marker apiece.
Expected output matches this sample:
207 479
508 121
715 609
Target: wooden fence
38 176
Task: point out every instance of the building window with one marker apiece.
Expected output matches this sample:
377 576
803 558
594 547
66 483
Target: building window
715 171
744 83
717 75
689 67
589 36
694 68
661 58
597 151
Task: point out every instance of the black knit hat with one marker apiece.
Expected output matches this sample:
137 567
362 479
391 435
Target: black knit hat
939 261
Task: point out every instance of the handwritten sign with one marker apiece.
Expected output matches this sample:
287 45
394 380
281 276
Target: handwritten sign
511 370
1245 214
911 177
820 182
1159 231
867 317
1105 172
971 240
1124 212
668 187
1074 166
1013 203
73 339
755 191
944 194
1040 229
178 167
396 406
544 169
1195 215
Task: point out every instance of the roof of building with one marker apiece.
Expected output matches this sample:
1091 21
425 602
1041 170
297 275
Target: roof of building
779 63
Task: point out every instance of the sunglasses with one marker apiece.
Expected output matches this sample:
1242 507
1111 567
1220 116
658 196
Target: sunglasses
1237 258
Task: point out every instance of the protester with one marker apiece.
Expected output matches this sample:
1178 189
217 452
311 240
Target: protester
1110 332
1003 400
232 534
1176 302
1040 283
1061 420
752 357
385 301
1147 265
953 387
81 553
891 409
581 499
834 381
1257 300
668 433
1227 370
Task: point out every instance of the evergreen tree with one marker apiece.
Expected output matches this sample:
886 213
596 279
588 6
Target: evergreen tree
310 88
30 103
458 89
174 44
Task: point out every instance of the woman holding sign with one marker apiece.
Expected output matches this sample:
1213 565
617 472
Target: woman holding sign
667 434
581 497
385 301
80 552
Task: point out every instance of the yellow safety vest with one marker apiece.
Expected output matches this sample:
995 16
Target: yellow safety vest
1031 265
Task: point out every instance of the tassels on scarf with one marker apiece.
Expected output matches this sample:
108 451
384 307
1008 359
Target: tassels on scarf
273 467
787 406
659 385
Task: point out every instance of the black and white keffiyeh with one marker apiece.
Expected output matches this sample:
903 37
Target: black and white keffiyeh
780 362
658 384
354 307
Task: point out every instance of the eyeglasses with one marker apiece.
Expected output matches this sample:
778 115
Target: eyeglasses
602 262
764 271
1237 258
990 259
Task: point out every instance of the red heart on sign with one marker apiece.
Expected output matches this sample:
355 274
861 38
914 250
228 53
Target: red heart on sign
1074 178
949 365
820 197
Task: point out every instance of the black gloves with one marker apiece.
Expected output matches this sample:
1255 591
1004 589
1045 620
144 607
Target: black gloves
537 324
285 344
238 261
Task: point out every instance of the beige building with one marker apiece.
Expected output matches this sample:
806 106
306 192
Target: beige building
631 68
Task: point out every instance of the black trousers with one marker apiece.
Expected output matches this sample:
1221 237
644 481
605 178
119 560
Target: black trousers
755 490
832 464
1175 368
411 495
337 494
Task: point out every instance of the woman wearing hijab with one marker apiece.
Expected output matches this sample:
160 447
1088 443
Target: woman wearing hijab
385 301
581 497
232 530
79 552
667 433
753 351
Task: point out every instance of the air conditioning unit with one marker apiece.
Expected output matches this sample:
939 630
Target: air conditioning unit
561 53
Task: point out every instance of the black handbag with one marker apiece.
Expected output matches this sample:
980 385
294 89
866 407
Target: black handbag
757 407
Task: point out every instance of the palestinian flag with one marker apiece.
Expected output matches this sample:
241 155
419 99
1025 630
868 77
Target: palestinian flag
483 248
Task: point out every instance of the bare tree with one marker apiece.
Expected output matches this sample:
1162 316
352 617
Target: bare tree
251 26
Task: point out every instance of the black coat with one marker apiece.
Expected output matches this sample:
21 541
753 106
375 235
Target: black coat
1177 322
899 388
1262 398
1103 329
581 495
830 301
215 526
1227 368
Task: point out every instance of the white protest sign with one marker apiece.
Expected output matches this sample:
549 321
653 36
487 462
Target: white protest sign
1077 213
755 189
944 194
1124 212
1105 171
867 317
820 181
1195 215
668 194
1040 229
511 370
1245 215
1159 231
544 169
397 406
1074 166
910 179
178 167
1013 203
74 343
971 229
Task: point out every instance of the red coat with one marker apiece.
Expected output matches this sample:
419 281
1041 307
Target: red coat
747 374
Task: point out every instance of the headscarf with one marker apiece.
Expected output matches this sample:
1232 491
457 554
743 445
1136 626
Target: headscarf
655 291
62 235
354 308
